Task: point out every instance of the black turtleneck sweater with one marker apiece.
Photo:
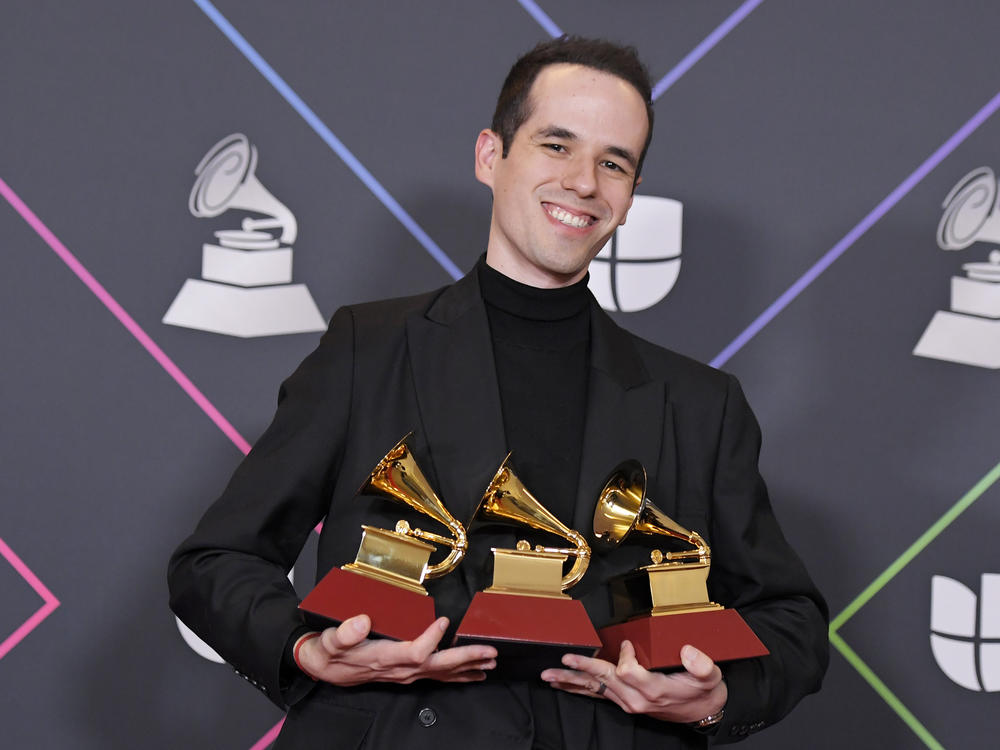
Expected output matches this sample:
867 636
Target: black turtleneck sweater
541 344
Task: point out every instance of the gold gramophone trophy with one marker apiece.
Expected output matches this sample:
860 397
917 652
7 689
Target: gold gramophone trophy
385 581
525 613
662 606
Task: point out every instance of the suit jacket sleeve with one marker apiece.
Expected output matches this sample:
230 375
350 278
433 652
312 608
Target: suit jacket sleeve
228 581
756 571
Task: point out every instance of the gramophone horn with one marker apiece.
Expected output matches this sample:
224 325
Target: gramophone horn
508 501
970 212
623 508
398 477
226 179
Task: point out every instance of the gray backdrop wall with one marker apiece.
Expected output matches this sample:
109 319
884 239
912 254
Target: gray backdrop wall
812 145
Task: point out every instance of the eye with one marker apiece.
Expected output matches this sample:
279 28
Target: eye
557 147
613 166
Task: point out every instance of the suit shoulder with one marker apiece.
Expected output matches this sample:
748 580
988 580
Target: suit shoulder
392 312
680 370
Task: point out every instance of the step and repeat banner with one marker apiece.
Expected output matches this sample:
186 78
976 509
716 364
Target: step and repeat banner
191 189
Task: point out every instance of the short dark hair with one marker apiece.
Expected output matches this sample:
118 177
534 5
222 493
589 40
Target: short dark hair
514 105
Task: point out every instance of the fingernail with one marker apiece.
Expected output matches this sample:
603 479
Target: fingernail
443 624
359 625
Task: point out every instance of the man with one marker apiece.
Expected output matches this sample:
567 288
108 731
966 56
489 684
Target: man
515 356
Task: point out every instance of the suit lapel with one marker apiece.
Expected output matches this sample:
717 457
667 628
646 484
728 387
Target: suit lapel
451 353
625 412
452 359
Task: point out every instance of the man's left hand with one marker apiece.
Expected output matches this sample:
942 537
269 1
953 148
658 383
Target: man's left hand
684 697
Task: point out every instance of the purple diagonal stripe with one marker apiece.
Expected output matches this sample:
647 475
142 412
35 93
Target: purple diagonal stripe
704 47
859 229
542 17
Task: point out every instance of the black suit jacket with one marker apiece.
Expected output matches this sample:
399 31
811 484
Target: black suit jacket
425 364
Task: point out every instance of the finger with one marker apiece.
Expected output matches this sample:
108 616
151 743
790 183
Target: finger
629 670
389 656
425 643
697 663
572 687
478 667
595 667
412 653
460 658
348 634
575 682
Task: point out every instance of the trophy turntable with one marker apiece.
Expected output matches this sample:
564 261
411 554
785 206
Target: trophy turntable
662 606
525 614
385 581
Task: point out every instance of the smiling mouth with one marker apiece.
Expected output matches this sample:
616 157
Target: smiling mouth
577 221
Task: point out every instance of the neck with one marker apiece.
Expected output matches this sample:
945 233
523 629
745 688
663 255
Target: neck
529 274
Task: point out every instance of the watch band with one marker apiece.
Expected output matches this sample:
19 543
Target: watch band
710 720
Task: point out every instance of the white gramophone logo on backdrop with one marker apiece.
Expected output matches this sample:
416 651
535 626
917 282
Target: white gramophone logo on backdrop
640 263
245 287
970 657
969 333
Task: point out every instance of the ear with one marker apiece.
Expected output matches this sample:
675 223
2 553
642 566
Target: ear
638 182
489 149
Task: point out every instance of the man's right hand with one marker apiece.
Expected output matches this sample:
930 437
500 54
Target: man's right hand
345 656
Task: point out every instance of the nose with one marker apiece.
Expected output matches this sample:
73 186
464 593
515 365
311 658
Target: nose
580 177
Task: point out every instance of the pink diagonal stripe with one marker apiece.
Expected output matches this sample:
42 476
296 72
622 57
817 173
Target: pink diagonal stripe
123 317
50 602
269 737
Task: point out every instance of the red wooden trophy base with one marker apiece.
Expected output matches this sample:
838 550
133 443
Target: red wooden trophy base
720 633
395 612
530 633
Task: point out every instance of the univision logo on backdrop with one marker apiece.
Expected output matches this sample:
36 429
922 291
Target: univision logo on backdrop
640 263
965 631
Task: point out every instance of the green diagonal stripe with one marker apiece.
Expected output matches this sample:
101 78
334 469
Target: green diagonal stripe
887 695
916 548
879 583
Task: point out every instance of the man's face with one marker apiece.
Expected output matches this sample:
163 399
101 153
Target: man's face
568 178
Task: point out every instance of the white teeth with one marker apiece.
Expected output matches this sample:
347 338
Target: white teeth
565 217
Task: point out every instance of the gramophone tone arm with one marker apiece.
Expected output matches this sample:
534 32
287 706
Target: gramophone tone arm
569 551
691 554
428 536
582 554
459 545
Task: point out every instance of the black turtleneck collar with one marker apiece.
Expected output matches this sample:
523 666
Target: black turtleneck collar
531 302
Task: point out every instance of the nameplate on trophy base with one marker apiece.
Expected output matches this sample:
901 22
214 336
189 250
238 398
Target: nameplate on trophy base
658 639
530 633
396 613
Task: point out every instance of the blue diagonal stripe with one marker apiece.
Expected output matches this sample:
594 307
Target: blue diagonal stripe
542 17
704 47
329 138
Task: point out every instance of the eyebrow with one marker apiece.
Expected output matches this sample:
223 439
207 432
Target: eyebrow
554 131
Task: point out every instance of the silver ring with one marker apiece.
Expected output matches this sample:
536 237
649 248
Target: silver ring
600 690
